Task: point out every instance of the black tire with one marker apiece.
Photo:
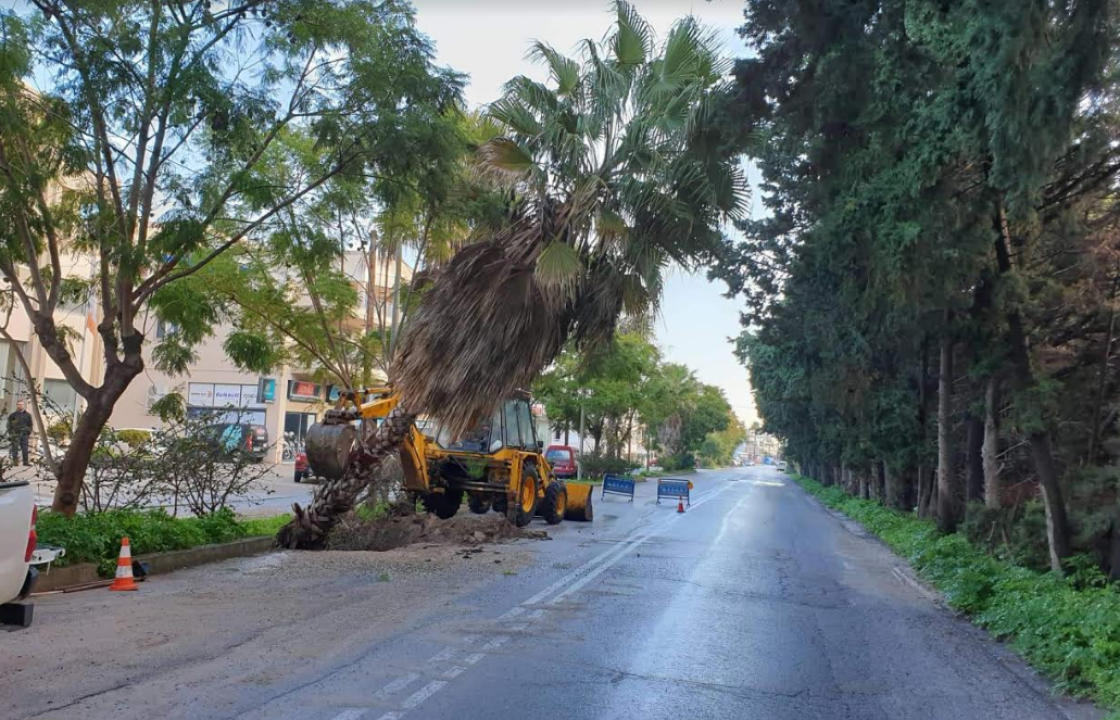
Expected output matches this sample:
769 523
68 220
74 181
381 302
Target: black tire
499 505
445 504
517 512
555 502
299 476
479 504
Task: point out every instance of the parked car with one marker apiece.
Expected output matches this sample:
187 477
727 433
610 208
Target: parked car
781 466
563 459
17 544
252 439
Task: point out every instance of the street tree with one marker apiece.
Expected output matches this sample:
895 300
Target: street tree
141 134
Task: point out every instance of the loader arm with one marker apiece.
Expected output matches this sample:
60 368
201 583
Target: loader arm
331 443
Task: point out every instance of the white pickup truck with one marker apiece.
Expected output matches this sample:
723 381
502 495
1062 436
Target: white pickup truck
17 544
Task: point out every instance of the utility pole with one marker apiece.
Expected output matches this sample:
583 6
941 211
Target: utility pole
579 460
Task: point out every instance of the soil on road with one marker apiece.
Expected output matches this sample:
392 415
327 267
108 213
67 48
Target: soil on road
756 603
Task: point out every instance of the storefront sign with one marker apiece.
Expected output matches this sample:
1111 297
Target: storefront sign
304 391
226 396
200 394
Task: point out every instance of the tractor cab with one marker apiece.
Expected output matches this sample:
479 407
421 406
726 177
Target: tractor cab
510 427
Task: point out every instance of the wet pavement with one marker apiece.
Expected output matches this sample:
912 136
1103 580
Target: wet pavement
755 603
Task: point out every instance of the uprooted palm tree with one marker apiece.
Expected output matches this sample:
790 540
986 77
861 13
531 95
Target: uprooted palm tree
617 172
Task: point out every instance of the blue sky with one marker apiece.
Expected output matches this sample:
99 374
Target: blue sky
487 40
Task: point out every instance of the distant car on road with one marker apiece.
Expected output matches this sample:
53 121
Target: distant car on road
563 460
781 466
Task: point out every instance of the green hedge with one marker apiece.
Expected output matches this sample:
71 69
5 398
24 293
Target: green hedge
1069 628
96 537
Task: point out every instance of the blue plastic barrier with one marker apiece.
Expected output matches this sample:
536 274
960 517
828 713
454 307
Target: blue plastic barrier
618 485
673 488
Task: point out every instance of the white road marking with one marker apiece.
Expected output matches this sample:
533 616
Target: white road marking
565 586
442 655
396 685
423 694
350 714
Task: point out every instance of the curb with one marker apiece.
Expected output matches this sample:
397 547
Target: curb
71 576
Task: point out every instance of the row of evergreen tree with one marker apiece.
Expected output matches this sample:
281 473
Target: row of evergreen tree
931 296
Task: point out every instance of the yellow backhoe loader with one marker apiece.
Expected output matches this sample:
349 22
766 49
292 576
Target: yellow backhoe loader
499 465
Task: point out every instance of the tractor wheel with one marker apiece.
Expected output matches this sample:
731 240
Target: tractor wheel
555 502
524 507
479 504
445 504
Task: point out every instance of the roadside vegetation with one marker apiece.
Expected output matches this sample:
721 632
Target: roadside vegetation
1065 626
932 301
96 537
631 400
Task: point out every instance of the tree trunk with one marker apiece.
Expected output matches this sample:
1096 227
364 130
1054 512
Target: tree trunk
974 479
1057 523
892 493
880 482
925 491
990 449
99 406
1114 547
309 528
864 485
948 494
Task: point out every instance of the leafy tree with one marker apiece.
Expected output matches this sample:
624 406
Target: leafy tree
920 161
155 148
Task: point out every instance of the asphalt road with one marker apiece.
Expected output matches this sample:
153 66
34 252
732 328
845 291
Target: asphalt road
755 603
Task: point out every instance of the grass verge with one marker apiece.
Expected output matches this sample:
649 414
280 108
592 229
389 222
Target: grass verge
1069 628
97 537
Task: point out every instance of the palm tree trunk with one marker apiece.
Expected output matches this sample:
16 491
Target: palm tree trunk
310 527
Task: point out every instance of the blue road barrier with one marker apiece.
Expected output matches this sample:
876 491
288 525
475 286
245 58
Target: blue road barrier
673 488
619 485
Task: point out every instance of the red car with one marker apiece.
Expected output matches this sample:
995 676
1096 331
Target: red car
562 458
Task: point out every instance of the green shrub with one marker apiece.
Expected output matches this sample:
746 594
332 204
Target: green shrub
59 431
133 438
1067 627
679 461
96 537
595 465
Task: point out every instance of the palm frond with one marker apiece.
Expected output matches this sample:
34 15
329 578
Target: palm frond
632 41
564 71
504 157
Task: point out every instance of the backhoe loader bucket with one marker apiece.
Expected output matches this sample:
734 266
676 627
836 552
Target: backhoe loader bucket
579 502
328 448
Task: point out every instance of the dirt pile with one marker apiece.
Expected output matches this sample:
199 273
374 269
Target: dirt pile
386 533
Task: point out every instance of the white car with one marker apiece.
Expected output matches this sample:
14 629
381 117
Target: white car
782 466
17 544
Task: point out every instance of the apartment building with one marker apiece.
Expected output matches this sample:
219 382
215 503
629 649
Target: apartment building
286 400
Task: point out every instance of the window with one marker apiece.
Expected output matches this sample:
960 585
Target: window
164 328
556 435
59 394
525 421
513 432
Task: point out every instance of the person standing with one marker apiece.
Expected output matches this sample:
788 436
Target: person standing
19 431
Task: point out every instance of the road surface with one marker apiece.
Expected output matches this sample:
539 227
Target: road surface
756 603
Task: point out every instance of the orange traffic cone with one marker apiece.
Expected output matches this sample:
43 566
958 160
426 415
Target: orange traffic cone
680 504
123 579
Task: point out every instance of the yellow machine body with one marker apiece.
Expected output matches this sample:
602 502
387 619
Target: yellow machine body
500 465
